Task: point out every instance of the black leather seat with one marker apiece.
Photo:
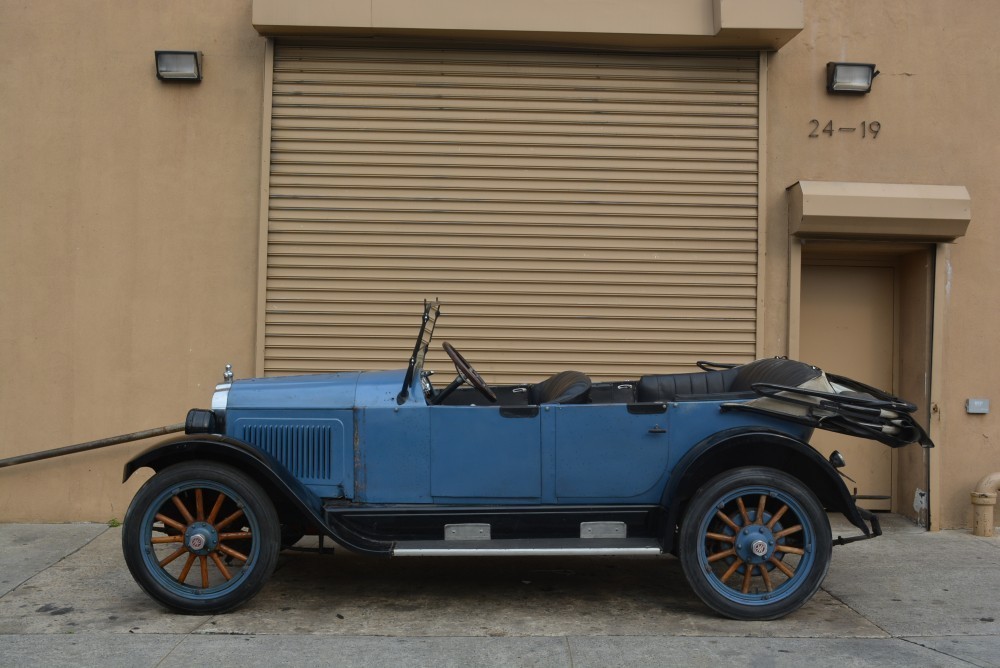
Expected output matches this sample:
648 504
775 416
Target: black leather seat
668 387
566 387
779 371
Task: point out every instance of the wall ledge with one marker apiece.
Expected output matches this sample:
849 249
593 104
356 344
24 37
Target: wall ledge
716 24
891 211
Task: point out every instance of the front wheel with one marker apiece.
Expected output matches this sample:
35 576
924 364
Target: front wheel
201 537
755 543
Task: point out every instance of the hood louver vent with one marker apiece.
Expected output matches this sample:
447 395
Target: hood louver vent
305 450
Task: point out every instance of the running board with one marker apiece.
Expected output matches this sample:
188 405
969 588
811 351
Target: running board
527 547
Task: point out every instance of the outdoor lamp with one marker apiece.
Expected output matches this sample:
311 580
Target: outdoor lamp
850 77
178 66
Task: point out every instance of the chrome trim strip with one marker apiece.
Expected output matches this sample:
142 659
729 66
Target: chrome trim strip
523 551
527 547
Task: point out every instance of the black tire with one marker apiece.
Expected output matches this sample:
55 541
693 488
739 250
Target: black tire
751 565
216 536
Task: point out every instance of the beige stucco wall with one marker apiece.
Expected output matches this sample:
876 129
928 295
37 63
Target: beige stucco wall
936 100
128 237
128 233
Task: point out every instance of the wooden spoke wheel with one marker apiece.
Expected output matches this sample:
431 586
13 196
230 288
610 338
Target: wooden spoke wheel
755 543
201 537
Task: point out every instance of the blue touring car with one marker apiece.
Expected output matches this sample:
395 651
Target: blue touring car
713 466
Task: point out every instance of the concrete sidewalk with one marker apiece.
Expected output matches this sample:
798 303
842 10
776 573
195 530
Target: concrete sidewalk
909 598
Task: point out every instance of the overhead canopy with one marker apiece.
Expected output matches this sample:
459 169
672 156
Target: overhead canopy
755 24
893 211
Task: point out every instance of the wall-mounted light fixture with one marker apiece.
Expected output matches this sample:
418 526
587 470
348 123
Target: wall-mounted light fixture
178 66
850 77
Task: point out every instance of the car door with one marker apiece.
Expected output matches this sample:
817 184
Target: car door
485 453
613 452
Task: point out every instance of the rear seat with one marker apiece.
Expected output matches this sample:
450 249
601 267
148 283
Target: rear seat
669 387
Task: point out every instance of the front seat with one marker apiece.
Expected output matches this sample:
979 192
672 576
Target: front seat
566 387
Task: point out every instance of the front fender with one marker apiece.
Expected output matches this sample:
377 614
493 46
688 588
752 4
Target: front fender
270 474
734 448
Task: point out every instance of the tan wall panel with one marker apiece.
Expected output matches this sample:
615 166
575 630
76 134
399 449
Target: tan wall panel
936 101
128 246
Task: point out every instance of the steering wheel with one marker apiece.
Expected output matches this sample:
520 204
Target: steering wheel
467 373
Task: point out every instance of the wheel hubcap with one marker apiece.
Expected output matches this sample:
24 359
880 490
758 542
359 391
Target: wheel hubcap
201 538
755 544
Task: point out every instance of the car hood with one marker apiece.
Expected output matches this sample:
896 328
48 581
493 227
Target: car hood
332 390
348 389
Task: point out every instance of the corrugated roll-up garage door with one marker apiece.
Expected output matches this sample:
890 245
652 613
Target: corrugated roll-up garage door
571 210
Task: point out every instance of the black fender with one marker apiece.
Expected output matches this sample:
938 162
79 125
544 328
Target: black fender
733 448
281 486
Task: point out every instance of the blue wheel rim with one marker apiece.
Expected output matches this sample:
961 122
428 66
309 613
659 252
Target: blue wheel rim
214 549
779 550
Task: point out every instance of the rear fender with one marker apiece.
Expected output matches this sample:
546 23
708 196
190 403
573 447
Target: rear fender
734 448
285 490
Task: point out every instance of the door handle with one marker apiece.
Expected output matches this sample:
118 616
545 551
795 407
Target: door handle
657 429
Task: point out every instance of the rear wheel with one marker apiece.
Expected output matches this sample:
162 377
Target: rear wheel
755 543
201 537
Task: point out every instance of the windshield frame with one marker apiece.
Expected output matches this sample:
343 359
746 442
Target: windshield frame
432 309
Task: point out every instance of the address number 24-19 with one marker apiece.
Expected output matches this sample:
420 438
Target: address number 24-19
865 129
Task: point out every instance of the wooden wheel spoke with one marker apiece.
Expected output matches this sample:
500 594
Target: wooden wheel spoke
185 513
187 569
204 571
221 566
229 520
732 569
743 510
173 555
788 531
199 505
171 522
789 550
216 508
747 575
777 516
766 578
167 539
781 566
721 555
760 509
720 536
225 549
241 535
725 518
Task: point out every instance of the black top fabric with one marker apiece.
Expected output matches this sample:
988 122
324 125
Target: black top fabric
566 387
776 370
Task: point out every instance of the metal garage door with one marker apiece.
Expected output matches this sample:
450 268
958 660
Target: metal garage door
593 211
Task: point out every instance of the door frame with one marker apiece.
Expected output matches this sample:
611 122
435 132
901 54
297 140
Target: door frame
848 252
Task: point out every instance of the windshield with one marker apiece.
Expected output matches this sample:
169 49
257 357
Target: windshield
431 311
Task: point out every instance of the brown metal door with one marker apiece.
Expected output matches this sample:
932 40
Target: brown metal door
847 328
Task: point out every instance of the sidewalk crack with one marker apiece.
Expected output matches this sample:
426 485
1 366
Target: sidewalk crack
858 612
941 652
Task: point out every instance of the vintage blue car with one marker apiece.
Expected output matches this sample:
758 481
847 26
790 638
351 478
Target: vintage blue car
714 467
